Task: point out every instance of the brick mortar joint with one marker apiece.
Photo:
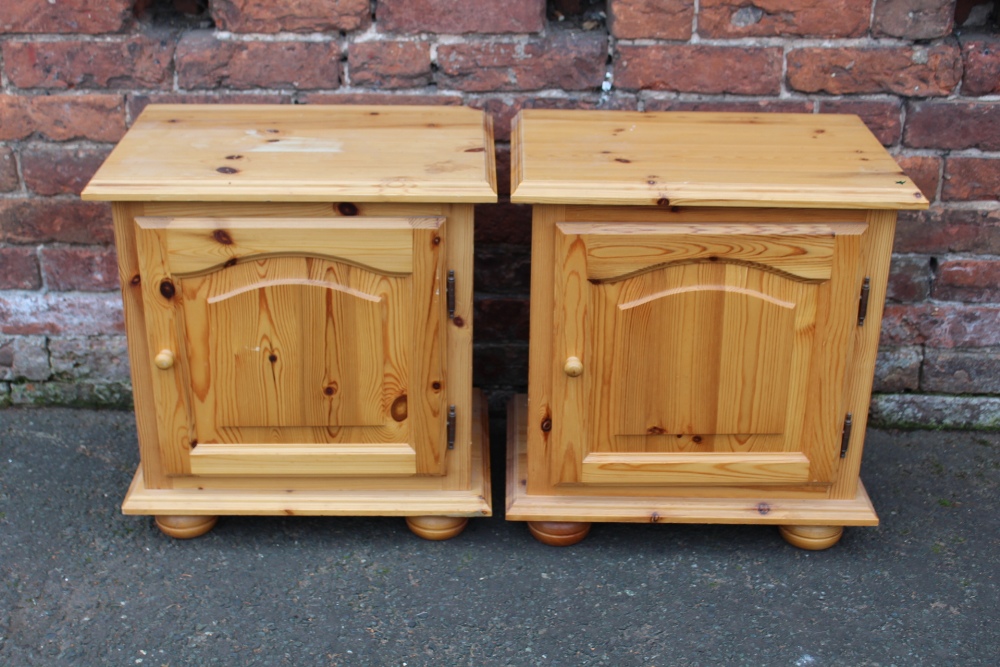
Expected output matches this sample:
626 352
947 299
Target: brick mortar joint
791 42
947 256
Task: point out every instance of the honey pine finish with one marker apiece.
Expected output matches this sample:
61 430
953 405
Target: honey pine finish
706 296
297 284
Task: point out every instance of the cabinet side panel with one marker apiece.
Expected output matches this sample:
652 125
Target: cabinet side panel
876 253
544 219
138 348
837 309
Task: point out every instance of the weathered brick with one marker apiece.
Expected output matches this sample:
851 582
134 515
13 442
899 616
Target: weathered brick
291 15
68 16
916 410
982 65
99 358
24 358
938 325
503 223
969 280
909 278
961 371
206 62
924 170
141 61
61 220
460 16
915 71
971 178
52 170
15 112
940 229
388 64
953 125
71 313
381 98
503 109
882 118
896 368
570 61
767 18
700 69
8 170
502 319
97 117
136 102
748 106
650 19
19 268
83 269
914 19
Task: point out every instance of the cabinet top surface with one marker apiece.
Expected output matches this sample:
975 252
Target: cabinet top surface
704 159
301 153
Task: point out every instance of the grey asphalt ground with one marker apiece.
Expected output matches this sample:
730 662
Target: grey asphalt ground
84 585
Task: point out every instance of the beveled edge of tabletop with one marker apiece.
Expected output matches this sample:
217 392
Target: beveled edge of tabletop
108 186
598 190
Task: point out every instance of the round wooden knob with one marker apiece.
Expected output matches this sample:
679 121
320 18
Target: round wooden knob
573 367
164 360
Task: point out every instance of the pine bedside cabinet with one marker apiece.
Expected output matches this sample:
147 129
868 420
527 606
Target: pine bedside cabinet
706 294
297 285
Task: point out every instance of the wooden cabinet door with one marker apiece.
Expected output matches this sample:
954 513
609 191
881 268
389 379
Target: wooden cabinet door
297 346
706 354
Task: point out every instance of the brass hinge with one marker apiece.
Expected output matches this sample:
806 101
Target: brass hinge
866 287
450 289
846 438
451 427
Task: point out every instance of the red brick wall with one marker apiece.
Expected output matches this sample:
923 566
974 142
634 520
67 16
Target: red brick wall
75 74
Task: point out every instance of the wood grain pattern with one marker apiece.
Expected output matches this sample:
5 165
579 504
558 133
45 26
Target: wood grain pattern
343 496
692 505
613 251
696 468
704 159
290 346
876 257
458 330
143 375
382 459
541 322
698 357
301 153
699 350
197 245
288 350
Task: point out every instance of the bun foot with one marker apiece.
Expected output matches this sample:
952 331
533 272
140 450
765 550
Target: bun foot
436 527
559 533
813 538
185 527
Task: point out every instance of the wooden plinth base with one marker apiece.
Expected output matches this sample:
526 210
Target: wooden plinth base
791 513
455 506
